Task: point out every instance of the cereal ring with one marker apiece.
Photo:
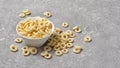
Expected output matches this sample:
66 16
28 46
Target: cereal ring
87 39
77 49
13 48
47 48
70 40
75 27
69 32
78 30
65 25
55 48
69 45
43 53
58 53
47 14
21 15
24 47
71 35
26 12
33 50
58 30
18 40
26 52
65 51
48 56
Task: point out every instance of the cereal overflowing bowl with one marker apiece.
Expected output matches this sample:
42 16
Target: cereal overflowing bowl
35 30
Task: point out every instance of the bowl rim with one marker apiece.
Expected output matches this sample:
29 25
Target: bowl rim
37 17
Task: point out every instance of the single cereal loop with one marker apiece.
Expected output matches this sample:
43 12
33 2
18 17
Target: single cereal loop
48 56
64 36
18 40
71 35
58 53
77 49
47 14
65 25
58 30
33 50
43 53
75 27
65 51
47 48
78 30
69 45
21 15
24 47
13 48
70 40
26 12
69 32
26 52
55 48
87 39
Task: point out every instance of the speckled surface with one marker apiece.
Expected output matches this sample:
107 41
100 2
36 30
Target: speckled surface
98 18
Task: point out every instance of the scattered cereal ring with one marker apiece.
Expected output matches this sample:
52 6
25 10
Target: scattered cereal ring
77 49
65 24
69 45
70 40
24 47
26 12
75 27
65 51
87 39
69 32
64 36
43 53
47 14
26 52
71 35
58 53
58 30
56 48
33 50
21 15
13 48
18 40
78 30
48 56
47 48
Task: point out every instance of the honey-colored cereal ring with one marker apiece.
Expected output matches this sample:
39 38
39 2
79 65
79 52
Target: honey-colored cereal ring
47 14
65 51
13 48
65 24
18 40
33 50
87 39
48 56
24 47
26 52
77 49
58 53
69 45
47 48
43 53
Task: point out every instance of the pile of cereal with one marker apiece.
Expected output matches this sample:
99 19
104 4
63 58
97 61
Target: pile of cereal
35 28
60 41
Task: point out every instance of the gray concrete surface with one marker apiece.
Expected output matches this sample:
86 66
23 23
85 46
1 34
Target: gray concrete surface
97 18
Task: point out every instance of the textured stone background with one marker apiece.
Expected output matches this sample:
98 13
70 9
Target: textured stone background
98 18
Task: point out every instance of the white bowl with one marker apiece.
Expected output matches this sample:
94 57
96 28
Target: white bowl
37 42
